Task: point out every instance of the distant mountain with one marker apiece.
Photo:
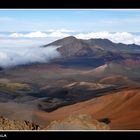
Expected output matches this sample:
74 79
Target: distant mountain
73 47
93 52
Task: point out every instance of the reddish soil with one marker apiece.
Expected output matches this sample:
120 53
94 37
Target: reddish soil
121 107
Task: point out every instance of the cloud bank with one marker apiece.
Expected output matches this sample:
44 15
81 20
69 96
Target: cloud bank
117 37
40 34
24 48
25 55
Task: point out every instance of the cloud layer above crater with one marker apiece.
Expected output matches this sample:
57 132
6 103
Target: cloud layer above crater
51 35
118 37
14 56
40 34
23 48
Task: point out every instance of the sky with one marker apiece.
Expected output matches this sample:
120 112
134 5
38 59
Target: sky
72 20
38 27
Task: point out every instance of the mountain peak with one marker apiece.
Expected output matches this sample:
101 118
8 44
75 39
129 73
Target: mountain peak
70 37
63 41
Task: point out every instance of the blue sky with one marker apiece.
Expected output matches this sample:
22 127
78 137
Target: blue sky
76 20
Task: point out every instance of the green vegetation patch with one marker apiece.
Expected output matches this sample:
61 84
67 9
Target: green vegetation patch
6 84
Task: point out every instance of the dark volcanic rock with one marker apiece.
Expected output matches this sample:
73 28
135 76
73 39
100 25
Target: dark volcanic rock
62 97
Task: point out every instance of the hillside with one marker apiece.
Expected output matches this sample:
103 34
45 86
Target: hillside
73 47
120 108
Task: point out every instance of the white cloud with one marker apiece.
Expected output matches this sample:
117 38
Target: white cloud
38 34
25 42
30 35
16 35
18 49
58 34
39 37
12 56
118 37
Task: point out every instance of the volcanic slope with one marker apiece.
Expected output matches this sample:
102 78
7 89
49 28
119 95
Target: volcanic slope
119 109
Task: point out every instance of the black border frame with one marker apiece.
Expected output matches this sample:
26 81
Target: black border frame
65 135
49 4
70 4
